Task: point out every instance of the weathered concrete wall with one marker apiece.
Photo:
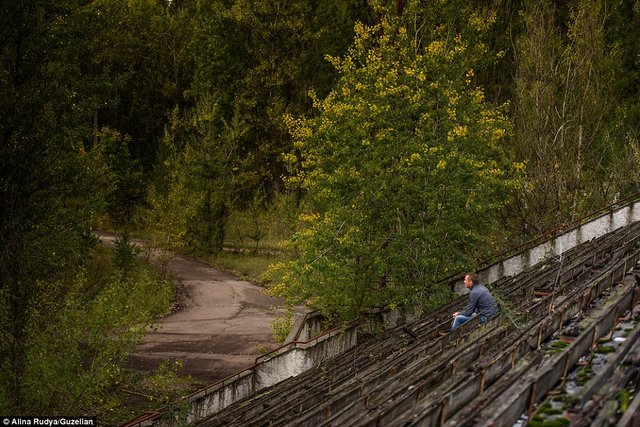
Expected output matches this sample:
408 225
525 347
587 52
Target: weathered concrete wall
309 326
303 356
293 359
209 401
305 327
287 362
384 319
558 245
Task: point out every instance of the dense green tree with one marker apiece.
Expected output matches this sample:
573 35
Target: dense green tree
56 175
76 339
125 183
137 56
259 59
623 35
253 62
190 200
404 166
46 182
497 75
567 120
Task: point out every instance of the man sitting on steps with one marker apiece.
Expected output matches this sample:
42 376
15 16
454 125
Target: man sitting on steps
481 303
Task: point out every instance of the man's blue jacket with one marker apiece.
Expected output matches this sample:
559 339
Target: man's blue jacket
482 302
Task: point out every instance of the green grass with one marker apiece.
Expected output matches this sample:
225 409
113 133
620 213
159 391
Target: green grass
260 228
554 422
605 349
546 416
246 265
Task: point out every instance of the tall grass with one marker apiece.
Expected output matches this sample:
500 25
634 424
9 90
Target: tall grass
254 236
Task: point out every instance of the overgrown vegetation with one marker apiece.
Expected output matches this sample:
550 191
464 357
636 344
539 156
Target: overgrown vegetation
401 153
435 134
136 393
93 320
282 326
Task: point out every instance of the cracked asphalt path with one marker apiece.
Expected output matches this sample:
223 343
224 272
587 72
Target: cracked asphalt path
223 326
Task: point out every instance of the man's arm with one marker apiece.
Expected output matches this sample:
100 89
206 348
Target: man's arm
472 306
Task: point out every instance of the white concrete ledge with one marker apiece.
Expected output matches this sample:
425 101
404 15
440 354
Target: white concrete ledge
558 245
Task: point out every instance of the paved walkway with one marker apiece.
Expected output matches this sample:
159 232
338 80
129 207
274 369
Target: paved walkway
224 324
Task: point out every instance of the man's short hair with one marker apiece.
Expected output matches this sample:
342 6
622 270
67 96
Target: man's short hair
475 279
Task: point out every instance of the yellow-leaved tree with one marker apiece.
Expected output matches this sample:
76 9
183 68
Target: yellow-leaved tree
404 166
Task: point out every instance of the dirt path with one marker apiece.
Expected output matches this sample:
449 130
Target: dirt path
224 324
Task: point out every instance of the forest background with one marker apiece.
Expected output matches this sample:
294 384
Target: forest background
367 148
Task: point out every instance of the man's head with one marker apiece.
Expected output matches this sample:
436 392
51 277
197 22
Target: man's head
471 279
